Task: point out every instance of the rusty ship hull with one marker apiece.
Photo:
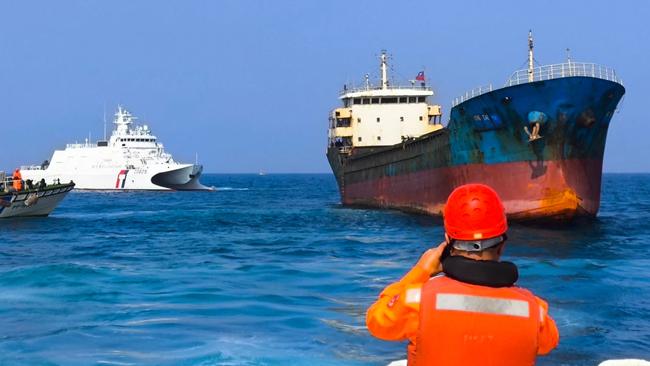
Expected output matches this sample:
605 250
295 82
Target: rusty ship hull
557 176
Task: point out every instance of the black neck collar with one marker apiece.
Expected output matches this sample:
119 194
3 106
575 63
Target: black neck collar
482 273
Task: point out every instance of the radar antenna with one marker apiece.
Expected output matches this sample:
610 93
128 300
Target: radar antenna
384 71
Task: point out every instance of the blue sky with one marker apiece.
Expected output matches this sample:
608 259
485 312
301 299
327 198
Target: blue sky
247 85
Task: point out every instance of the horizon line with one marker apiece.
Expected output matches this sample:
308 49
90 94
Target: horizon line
330 173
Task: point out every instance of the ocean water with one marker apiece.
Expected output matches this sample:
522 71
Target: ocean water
271 270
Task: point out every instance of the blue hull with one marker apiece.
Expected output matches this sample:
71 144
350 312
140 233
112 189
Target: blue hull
489 129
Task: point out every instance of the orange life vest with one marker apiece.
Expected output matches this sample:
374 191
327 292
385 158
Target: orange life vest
18 181
465 324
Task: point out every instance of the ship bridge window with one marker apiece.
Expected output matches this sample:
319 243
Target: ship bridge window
412 99
366 100
346 102
343 122
422 99
375 100
402 99
356 101
388 100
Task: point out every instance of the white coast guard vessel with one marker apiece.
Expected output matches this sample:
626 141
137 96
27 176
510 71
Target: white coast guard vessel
132 159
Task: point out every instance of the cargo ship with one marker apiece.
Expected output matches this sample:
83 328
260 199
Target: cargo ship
538 141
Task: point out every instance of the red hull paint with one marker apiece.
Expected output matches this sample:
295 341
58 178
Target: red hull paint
557 189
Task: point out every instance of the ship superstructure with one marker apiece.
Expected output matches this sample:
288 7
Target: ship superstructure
538 141
383 115
131 159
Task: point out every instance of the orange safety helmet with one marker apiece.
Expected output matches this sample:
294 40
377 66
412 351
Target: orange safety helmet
474 212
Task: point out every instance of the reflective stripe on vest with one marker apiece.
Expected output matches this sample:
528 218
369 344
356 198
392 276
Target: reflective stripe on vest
413 295
482 304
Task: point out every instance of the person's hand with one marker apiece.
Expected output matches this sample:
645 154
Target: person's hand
430 260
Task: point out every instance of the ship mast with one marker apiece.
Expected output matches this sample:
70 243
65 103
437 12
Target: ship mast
104 121
384 72
531 76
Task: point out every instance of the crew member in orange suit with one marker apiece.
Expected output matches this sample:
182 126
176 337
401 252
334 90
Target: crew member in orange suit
459 304
18 180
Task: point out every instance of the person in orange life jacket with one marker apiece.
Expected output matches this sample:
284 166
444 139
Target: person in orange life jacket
463 308
17 180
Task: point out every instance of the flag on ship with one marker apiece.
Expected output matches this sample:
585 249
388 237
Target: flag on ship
420 76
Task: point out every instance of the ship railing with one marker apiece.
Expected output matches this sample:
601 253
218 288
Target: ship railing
471 94
345 149
31 167
567 69
79 145
347 90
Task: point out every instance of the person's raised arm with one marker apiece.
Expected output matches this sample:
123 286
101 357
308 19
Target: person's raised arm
394 316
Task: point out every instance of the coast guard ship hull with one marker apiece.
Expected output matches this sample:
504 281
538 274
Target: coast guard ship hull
555 176
164 177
